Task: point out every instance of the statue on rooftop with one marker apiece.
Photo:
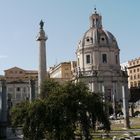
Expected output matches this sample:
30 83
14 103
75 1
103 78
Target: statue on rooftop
41 24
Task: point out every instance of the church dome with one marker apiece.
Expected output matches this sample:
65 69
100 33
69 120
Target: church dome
98 48
96 36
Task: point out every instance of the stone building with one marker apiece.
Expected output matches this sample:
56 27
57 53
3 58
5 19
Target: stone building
18 80
133 68
63 71
134 72
18 84
98 62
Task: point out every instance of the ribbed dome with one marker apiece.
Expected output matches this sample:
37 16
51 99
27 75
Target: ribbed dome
98 37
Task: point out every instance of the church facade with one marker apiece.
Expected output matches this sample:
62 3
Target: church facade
98 62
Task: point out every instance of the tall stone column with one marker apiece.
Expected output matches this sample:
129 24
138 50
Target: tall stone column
3 110
32 90
125 106
114 98
42 56
103 92
95 85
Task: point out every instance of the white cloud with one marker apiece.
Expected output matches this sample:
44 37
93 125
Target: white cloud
3 56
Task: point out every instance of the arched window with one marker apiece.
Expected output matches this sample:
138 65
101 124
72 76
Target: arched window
134 70
134 76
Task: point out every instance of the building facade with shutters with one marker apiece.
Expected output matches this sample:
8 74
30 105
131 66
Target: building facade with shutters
134 72
63 71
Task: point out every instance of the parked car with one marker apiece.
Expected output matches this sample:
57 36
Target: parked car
136 138
112 117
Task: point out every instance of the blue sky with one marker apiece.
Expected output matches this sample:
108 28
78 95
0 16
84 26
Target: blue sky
65 23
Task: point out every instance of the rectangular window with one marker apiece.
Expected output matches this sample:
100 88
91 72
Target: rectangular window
131 84
104 58
139 83
135 84
78 62
134 70
18 89
88 59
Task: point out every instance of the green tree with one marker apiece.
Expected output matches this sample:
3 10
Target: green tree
72 105
50 86
31 116
62 110
59 124
18 113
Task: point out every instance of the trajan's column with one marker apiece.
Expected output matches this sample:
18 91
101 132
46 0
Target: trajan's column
42 56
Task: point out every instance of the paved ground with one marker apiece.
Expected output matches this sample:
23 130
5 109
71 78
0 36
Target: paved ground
18 136
118 130
13 134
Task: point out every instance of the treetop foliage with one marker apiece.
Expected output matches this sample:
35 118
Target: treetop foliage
61 111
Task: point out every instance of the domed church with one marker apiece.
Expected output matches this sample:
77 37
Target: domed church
98 61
